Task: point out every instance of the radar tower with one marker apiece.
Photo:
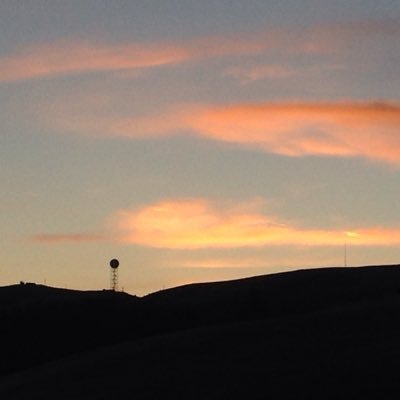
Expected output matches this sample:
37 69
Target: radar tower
114 264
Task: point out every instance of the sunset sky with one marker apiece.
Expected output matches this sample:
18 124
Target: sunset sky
196 140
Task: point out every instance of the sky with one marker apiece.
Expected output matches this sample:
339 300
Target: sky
196 141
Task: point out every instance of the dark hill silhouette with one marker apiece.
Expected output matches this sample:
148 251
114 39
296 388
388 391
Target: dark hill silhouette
40 323
33 295
323 334
276 295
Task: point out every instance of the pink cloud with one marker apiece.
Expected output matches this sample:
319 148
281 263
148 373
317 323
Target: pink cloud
370 130
76 57
73 57
82 56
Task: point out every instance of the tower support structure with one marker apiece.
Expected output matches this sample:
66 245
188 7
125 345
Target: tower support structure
114 279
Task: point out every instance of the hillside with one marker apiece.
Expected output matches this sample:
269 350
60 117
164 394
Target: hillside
41 323
327 333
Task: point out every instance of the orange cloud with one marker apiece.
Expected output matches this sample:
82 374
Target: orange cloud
342 129
79 56
76 57
72 57
196 224
370 130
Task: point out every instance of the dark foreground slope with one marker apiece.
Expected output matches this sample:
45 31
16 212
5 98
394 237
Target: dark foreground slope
318 334
40 324
347 355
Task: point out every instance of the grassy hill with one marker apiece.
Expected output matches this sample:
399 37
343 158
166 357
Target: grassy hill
312 334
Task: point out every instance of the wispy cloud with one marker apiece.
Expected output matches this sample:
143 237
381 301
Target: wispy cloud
218 263
83 56
183 224
373 27
197 223
347 129
77 56
255 72
59 238
370 130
